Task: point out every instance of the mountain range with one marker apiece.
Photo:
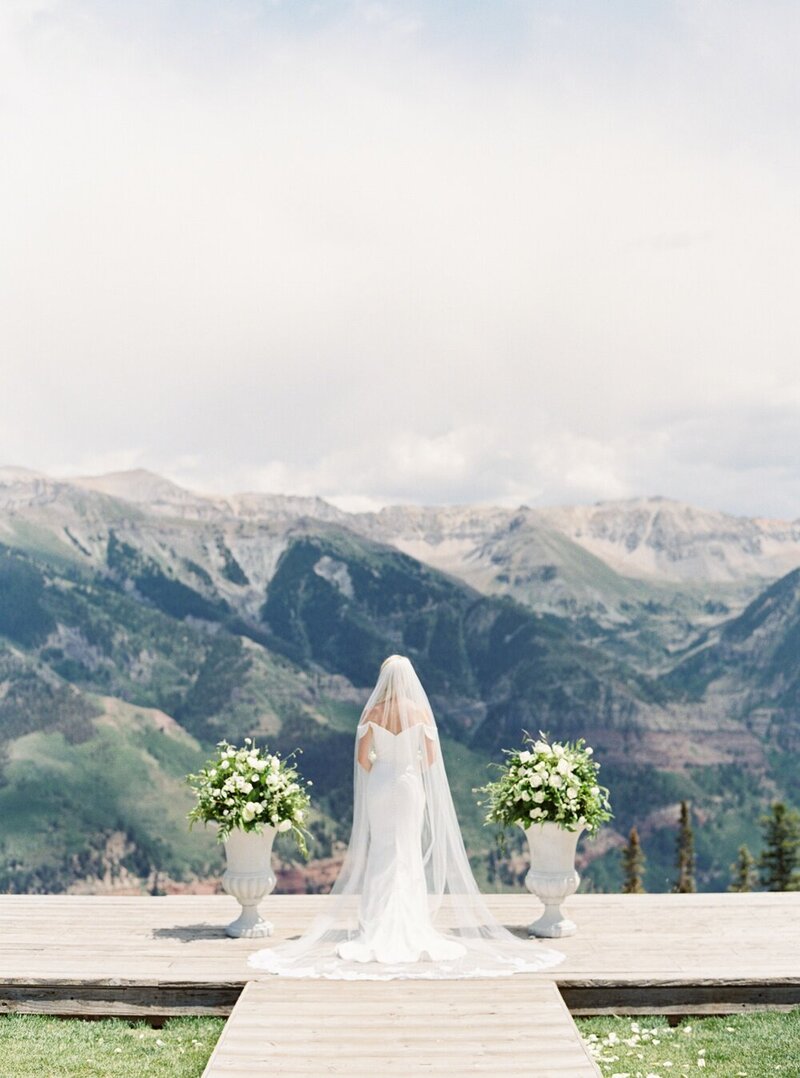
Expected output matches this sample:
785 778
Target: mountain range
141 622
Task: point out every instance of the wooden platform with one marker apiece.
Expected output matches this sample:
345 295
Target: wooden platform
633 954
401 1028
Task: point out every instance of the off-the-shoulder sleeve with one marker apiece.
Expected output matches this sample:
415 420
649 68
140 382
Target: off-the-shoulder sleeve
363 728
430 731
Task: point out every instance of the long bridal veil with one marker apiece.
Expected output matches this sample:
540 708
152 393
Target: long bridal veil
405 903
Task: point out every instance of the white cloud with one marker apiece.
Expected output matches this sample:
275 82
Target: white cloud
368 252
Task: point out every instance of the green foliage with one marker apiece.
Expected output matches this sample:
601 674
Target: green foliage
171 596
35 700
34 1046
633 862
548 782
231 569
465 647
100 807
685 883
340 603
780 859
24 617
222 674
743 875
198 571
327 763
250 788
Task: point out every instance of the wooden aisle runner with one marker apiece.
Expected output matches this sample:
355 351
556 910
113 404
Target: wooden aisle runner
510 1026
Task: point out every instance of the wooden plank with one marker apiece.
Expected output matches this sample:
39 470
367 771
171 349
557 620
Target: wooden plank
126 1001
680 998
402 1028
625 945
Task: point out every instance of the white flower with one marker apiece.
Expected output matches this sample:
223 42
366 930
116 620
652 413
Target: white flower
213 774
300 815
246 787
538 797
589 751
536 780
284 825
572 793
525 795
260 765
248 812
541 746
595 790
274 763
556 781
536 813
562 767
524 757
558 750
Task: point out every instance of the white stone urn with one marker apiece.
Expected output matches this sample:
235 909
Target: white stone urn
248 878
552 876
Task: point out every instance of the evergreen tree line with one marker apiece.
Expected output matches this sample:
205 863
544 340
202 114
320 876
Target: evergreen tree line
776 869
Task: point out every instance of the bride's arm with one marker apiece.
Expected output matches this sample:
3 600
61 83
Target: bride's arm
430 741
364 734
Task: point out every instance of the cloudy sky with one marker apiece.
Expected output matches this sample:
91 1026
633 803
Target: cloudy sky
513 252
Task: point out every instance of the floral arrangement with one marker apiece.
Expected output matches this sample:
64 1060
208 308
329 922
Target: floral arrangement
248 788
548 782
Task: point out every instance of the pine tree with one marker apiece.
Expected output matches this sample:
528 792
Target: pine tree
685 883
780 859
743 876
633 862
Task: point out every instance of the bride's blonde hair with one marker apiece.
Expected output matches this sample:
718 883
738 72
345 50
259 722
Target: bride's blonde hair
387 688
392 659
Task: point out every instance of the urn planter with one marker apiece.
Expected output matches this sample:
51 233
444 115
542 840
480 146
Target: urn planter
552 876
248 878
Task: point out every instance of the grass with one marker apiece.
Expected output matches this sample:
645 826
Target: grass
740 1046
34 1046
744 1046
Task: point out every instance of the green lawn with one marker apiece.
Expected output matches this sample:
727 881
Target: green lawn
742 1046
32 1046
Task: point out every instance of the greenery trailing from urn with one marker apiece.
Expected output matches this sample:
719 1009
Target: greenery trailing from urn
633 862
248 788
548 782
780 859
685 883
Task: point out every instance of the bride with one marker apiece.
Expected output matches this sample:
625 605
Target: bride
405 903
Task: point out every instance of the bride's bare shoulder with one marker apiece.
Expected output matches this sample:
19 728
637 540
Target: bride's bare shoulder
423 717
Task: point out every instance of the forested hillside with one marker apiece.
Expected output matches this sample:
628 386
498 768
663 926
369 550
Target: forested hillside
139 626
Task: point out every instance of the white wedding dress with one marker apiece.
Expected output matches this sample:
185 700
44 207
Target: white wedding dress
405 903
394 917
